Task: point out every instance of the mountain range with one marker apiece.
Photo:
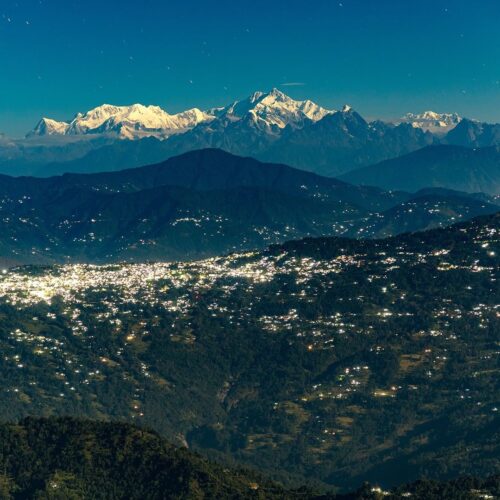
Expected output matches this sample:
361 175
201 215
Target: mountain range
343 141
273 109
267 126
201 204
438 123
130 122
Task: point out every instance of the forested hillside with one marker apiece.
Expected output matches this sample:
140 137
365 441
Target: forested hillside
68 459
334 359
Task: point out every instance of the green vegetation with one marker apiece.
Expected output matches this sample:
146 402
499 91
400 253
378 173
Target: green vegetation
71 459
336 360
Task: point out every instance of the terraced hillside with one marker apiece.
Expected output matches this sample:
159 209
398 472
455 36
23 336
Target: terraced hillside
333 359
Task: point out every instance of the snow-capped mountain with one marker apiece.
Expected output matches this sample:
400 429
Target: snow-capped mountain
249 127
129 122
47 126
433 122
267 111
268 126
265 125
274 109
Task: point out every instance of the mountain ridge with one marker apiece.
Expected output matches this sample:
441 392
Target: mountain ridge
269 126
446 166
439 123
137 121
130 122
201 204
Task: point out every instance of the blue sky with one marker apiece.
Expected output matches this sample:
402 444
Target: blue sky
384 57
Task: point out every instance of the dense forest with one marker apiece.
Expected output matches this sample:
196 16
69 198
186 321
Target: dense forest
333 360
70 459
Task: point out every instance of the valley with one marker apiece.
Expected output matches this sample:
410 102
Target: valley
338 359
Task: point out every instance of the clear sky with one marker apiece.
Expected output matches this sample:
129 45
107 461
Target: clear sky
383 57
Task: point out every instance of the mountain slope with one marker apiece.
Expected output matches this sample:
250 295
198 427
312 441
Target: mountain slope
474 134
335 359
250 126
47 126
206 170
343 141
67 458
119 155
31 156
426 209
198 205
70 458
452 167
164 223
215 169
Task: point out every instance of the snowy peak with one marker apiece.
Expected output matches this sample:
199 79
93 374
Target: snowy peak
130 122
46 126
432 121
275 109
267 111
191 117
135 121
